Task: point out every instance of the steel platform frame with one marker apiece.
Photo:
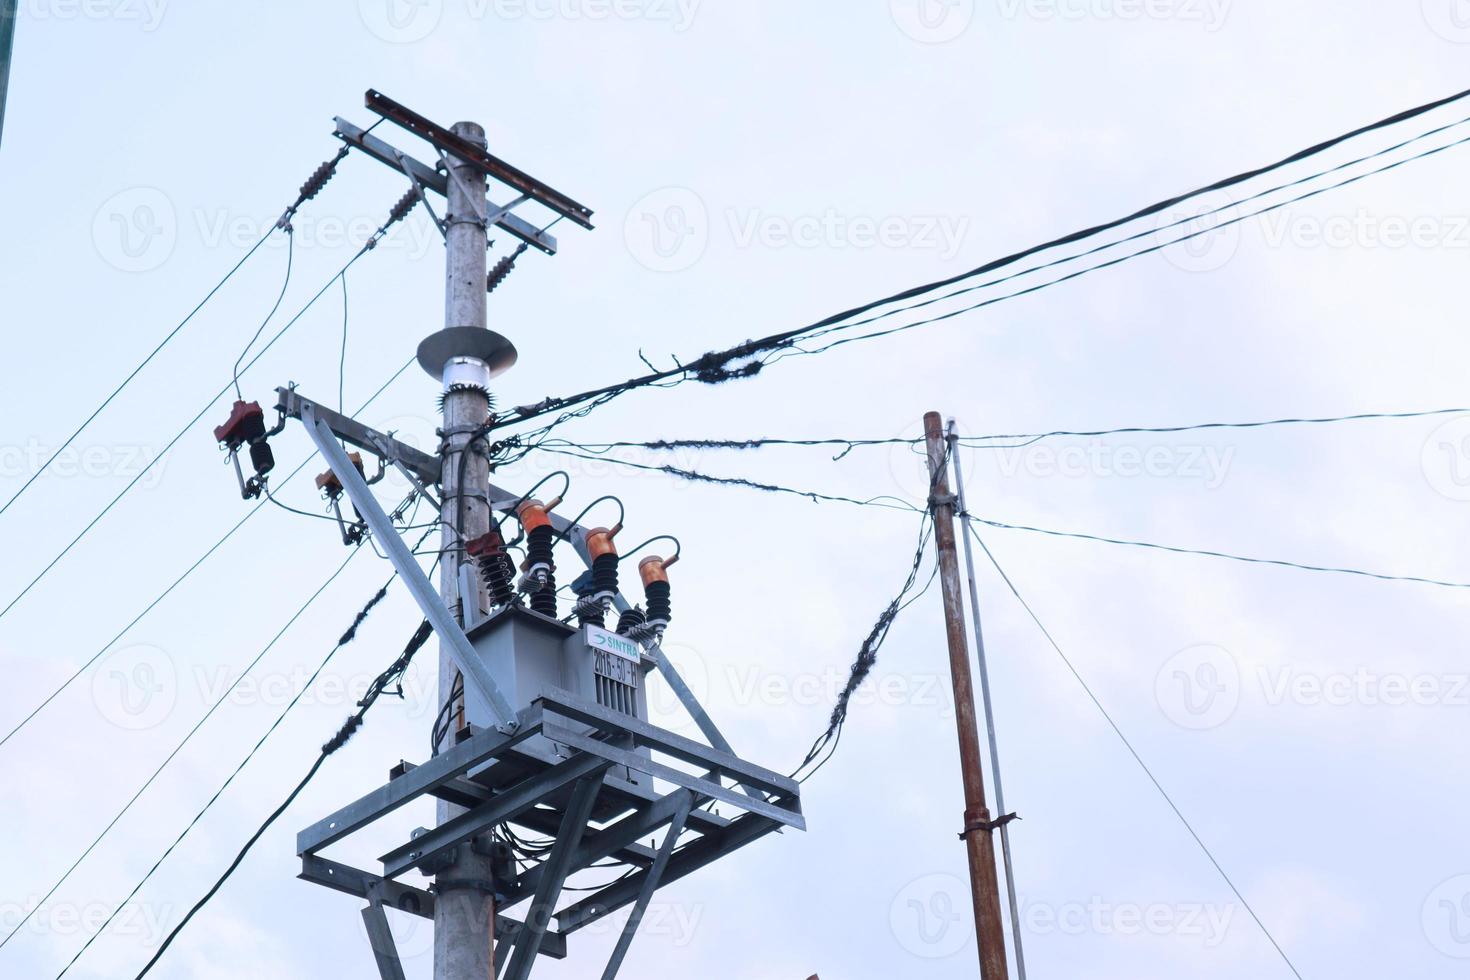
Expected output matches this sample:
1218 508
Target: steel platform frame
572 792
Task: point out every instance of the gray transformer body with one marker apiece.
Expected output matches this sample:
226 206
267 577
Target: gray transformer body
529 655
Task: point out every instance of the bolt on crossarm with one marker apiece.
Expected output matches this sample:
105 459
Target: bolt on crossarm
979 845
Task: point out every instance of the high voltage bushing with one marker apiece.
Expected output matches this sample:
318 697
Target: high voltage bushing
602 578
497 569
656 592
540 566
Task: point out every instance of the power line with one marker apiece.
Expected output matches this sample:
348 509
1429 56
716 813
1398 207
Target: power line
1136 757
1157 231
972 442
714 367
347 637
309 190
988 442
1152 209
1220 554
394 672
792 350
180 746
397 213
179 581
889 502
285 284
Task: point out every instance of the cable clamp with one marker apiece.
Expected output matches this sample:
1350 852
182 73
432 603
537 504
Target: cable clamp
943 499
987 825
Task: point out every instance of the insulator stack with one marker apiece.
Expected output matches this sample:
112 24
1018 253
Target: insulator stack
400 210
497 569
540 566
602 586
630 620
319 177
653 571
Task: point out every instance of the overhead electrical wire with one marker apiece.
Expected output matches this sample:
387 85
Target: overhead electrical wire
989 442
285 284
394 672
715 367
1159 230
180 580
402 208
347 637
309 190
825 746
182 742
1282 563
889 502
1136 757
792 350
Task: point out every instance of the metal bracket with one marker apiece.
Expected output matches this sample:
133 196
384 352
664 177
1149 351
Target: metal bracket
650 884
418 188
455 642
380 937
554 874
401 454
431 179
988 826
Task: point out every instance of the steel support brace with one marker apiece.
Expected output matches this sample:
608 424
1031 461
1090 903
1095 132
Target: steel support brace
459 647
386 153
650 883
699 853
558 866
504 806
385 951
414 783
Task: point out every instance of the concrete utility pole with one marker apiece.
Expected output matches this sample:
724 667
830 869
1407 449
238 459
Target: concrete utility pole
464 913
984 887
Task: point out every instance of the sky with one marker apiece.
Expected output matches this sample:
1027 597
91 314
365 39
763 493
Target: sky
754 167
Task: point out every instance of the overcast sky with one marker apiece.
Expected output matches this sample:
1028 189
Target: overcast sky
754 167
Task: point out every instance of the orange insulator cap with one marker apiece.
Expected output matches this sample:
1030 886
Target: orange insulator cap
532 514
651 569
600 542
